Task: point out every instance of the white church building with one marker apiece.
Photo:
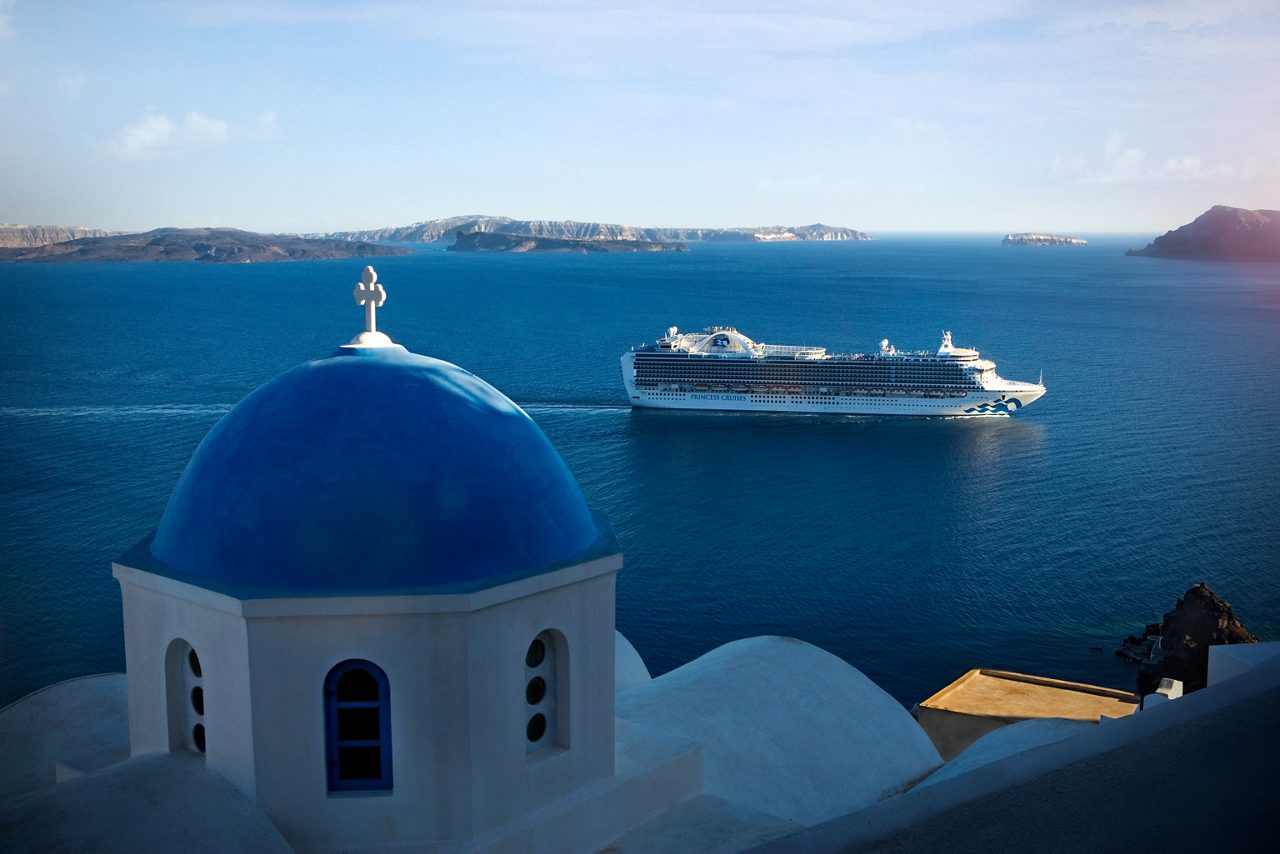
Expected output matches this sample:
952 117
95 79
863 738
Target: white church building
377 614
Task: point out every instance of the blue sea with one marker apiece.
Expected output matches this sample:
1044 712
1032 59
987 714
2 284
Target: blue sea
913 549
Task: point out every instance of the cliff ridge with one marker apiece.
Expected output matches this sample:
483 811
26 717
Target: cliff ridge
1221 234
215 245
489 241
446 230
27 236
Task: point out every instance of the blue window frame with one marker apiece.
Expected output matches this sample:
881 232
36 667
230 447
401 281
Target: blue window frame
357 711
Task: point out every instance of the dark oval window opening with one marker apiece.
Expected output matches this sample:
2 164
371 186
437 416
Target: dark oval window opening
537 652
535 690
197 735
197 699
537 727
193 661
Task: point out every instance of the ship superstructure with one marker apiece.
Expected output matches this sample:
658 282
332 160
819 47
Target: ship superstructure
720 368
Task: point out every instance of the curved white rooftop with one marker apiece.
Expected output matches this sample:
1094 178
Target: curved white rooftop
81 723
839 744
1007 741
629 669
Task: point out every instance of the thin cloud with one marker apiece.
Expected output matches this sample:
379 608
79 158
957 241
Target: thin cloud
1169 15
157 135
1190 167
583 36
1122 163
1182 30
6 20
199 129
148 139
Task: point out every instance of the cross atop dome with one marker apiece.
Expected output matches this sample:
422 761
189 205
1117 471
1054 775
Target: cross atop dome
371 295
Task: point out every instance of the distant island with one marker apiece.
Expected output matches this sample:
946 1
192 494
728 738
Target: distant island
215 245
23 236
489 241
1221 234
446 230
1034 239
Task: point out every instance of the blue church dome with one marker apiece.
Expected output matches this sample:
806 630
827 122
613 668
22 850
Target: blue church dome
376 471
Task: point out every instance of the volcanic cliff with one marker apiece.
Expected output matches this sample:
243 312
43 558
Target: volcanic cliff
1221 234
216 245
446 230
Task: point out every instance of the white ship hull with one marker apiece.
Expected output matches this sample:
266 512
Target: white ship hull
998 402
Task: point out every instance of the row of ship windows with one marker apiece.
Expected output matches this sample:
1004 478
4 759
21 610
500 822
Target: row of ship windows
897 402
644 371
641 358
769 380
830 397
685 383
808 384
803 366
773 380
907 360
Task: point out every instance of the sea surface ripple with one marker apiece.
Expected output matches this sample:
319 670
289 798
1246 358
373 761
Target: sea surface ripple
914 549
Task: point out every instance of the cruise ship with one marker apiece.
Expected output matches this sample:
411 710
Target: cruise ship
720 368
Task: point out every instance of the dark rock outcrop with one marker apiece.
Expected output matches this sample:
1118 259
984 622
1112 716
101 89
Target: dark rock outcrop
216 245
487 241
1221 234
1181 641
446 230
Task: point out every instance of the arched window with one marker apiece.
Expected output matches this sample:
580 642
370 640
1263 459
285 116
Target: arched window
357 712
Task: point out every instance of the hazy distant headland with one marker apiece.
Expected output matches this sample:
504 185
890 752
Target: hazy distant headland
216 245
447 230
1221 234
1027 238
491 241
24 236
468 234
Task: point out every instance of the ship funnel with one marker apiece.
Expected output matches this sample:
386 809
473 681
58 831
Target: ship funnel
672 332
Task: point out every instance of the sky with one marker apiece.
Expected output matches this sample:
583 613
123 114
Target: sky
990 115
